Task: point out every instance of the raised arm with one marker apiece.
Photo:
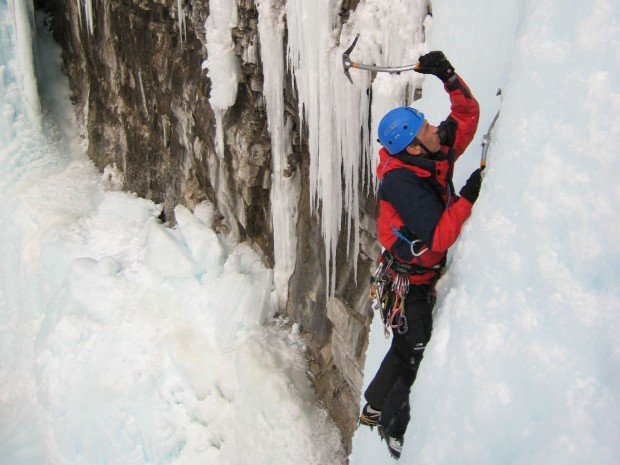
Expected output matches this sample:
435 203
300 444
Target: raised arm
459 128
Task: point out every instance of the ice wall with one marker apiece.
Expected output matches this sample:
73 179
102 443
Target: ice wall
522 367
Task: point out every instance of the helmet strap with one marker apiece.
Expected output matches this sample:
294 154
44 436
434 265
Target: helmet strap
417 141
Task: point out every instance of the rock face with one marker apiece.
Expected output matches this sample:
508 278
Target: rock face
143 99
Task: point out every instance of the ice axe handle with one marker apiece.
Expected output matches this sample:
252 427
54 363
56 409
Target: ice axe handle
486 139
348 64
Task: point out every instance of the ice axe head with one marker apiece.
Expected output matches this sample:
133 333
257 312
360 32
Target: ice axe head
346 61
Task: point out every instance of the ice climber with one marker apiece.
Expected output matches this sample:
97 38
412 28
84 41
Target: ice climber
420 217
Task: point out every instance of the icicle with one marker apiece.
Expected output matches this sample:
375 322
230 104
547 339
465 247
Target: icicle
89 16
286 188
335 112
87 6
310 39
142 93
166 133
219 132
222 63
22 14
181 19
79 8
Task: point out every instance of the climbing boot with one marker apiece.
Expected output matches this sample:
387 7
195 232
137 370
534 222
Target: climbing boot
394 444
370 416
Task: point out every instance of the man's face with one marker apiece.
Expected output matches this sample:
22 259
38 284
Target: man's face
429 137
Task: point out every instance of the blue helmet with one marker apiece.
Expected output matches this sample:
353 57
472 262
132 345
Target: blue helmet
399 127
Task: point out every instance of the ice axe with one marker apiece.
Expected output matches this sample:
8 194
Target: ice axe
348 64
486 139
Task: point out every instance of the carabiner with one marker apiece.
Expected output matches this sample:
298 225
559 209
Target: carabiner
421 252
403 326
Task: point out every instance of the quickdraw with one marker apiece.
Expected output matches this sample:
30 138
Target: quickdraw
388 297
400 288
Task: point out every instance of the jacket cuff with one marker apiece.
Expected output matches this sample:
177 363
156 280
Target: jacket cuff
452 83
468 202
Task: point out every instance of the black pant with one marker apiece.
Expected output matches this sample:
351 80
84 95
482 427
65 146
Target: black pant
389 390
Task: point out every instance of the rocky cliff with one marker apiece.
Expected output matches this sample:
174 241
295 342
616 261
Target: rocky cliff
143 98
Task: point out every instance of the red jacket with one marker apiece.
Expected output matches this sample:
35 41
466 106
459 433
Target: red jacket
420 216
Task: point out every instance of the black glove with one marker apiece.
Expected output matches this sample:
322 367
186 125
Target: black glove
437 64
471 189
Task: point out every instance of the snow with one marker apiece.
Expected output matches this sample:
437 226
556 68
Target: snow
123 340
